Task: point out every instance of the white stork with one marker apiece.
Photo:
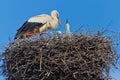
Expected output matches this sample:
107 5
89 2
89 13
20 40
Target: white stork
38 25
59 33
67 29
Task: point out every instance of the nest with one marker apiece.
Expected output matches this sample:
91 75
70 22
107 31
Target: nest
80 57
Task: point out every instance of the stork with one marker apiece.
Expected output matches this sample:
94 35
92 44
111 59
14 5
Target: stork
67 29
39 25
59 33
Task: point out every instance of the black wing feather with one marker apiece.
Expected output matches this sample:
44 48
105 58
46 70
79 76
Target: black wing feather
27 26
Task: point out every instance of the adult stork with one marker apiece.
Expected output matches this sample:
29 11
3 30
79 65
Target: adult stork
39 25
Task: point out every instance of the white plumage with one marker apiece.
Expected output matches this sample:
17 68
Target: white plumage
39 24
59 33
68 33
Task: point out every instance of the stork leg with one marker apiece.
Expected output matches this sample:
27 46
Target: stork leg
43 33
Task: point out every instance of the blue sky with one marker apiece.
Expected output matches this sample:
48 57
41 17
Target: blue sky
95 13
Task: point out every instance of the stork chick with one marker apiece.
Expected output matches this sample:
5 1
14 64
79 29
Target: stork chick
68 34
59 33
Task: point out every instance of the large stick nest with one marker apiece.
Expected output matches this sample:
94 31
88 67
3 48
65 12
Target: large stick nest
80 57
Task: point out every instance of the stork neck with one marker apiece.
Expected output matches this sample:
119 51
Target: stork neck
54 18
67 28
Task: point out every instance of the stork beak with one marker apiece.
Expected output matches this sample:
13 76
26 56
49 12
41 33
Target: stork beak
59 22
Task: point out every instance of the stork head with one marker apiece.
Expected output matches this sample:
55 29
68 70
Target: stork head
55 13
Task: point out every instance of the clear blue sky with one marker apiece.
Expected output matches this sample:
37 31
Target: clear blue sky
96 13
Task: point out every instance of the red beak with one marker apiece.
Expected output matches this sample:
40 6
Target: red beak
59 22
